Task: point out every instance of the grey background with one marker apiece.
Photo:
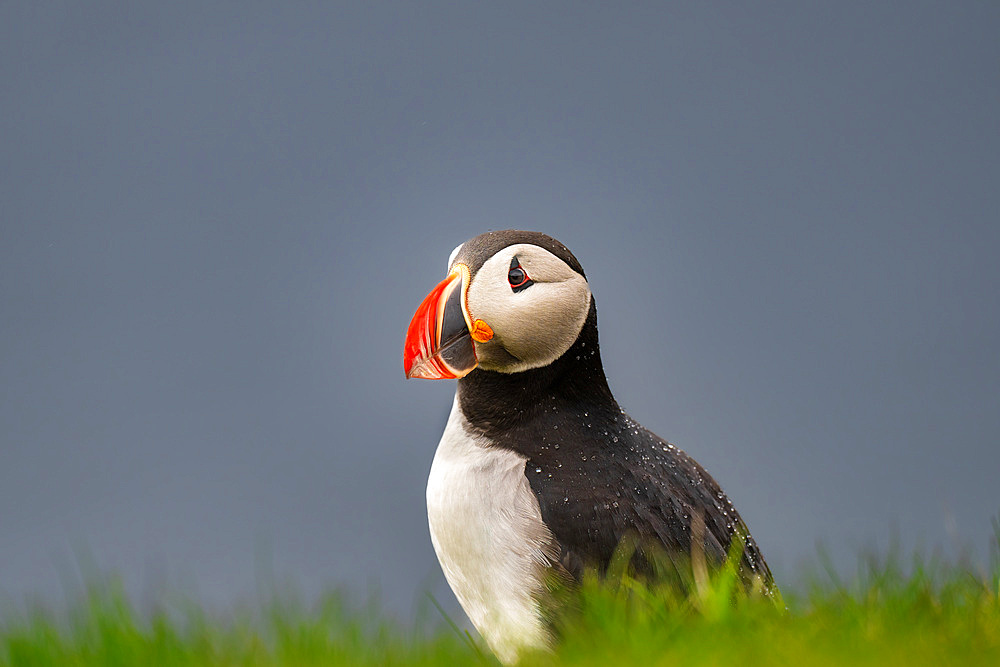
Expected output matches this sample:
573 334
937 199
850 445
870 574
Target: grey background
216 222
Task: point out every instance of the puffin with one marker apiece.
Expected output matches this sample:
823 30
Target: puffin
540 475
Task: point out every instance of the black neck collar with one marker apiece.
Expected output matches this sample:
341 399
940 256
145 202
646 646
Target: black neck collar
498 403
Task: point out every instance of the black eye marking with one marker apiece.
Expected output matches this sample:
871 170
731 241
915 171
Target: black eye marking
517 277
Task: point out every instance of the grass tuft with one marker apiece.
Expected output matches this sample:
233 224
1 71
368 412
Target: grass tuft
923 612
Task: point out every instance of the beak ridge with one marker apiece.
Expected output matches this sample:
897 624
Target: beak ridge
439 343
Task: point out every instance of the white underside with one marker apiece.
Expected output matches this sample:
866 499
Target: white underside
488 533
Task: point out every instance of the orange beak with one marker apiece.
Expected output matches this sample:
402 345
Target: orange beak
439 342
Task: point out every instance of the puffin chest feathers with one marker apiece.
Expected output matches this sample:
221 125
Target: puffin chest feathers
487 530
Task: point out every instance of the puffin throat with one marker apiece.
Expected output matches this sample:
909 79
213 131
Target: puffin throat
492 401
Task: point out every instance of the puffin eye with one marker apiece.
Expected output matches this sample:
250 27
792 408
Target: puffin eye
516 276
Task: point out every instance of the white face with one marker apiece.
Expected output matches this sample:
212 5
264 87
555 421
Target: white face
535 325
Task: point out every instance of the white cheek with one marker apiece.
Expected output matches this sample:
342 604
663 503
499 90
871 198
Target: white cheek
533 327
550 325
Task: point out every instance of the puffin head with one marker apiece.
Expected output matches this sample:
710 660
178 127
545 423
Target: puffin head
512 301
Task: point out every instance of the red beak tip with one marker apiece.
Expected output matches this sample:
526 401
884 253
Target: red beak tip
423 355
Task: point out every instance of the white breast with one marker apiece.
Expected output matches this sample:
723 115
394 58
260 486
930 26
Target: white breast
488 533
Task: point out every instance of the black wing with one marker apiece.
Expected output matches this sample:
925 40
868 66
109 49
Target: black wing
624 484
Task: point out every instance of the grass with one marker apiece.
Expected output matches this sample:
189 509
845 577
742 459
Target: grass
919 613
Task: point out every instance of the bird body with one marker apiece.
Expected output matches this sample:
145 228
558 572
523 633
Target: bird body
539 472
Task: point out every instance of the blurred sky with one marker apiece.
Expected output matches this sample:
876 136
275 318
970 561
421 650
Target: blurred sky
216 222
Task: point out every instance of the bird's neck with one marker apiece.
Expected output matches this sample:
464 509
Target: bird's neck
495 402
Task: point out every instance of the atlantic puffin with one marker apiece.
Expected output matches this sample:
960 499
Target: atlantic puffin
539 472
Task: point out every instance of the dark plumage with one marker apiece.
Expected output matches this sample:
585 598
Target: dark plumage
599 476
539 472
